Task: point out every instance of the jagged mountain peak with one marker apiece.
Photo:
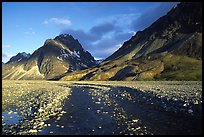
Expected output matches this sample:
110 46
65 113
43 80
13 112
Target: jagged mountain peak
67 36
55 57
22 56
69 41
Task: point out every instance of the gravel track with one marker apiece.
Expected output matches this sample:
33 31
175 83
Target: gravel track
102 108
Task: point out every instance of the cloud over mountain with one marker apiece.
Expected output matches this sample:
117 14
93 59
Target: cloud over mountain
102 39
57 21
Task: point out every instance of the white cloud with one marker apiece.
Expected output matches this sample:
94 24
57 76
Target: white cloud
6 46
29 32
120 19
6 56
58 21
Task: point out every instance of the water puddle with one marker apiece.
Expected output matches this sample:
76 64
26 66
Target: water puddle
10 117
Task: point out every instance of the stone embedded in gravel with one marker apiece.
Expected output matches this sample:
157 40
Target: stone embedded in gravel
98 102
33 131
190 111
135 120
63 112
10 112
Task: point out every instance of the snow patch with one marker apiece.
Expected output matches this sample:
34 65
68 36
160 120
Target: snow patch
82 64
63 54
25 55
76 54
19 59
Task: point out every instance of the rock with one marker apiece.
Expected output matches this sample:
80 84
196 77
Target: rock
41 123
190 111
98 102
40 110
135 120
10 112
33 131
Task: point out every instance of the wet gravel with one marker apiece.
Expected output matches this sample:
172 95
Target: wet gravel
101 108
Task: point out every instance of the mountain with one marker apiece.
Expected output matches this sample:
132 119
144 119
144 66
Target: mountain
169 49
57 56
19 57
99 61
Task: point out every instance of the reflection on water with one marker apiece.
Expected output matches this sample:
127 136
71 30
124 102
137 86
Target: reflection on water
10 118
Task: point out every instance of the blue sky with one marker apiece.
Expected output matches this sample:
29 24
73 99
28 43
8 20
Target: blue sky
101 27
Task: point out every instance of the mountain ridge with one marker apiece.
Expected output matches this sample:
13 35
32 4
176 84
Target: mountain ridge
169 49
57 56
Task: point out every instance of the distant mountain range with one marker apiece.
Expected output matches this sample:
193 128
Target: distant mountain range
56 57
169 49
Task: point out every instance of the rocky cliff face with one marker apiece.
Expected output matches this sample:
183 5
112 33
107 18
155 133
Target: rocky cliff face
57 56
169 49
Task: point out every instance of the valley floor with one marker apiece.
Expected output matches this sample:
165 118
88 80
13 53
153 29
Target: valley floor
101 107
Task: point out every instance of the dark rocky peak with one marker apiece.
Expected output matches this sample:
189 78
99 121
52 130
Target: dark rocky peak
19 57
69 41
180 18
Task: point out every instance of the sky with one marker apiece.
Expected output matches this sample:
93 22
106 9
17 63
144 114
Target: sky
100 27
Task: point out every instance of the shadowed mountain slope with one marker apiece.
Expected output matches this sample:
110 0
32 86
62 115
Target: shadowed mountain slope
169 49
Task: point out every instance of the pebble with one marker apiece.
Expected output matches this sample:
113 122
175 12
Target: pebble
98 102
135 120
33 131
190 111
10 112
98 111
